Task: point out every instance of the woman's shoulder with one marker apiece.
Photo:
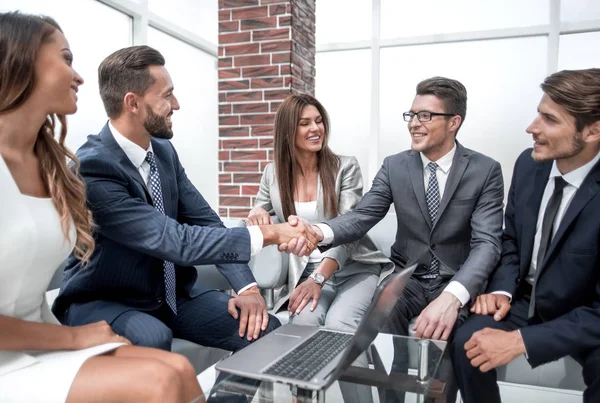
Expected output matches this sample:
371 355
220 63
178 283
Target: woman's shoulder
347 159
348 163
269 170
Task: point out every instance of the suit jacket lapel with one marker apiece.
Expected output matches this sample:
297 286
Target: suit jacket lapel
110 143
459 165
532 210
415 170
584 194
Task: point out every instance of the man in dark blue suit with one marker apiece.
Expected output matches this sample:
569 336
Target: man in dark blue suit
543 300
152 226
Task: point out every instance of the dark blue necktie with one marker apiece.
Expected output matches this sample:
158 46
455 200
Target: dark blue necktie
169 267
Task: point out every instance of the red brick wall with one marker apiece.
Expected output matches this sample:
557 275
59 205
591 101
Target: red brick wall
266 52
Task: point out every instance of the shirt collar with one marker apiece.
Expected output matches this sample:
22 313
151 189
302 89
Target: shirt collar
575 177
444 163
135 153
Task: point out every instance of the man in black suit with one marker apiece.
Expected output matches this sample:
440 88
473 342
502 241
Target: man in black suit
543 300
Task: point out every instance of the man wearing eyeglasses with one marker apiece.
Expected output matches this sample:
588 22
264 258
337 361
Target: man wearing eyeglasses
448 202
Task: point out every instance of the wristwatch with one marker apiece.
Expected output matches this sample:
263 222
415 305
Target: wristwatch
317 278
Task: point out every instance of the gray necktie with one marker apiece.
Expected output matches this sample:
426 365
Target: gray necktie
433 204
169 267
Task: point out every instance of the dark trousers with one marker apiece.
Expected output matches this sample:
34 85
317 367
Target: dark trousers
418 293
203 320
476 386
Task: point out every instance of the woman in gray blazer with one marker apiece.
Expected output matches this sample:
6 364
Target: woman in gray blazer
333 288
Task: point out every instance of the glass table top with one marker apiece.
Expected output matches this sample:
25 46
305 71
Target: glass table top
391 367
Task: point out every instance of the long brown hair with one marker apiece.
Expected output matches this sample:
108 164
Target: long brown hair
21 37
286 165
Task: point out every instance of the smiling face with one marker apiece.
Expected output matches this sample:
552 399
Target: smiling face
310 131
554 133
159 102
434 138
57 82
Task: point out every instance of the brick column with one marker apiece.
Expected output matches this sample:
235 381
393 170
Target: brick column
266 52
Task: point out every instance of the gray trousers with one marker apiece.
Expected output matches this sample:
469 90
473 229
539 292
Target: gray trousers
343 302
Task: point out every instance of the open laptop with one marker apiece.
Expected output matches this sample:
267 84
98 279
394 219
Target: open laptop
310 357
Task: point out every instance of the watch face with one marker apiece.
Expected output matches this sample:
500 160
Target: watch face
319 278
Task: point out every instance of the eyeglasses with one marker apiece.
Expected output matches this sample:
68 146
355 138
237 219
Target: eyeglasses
423 116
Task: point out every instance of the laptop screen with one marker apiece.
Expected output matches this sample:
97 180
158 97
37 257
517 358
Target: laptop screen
384 300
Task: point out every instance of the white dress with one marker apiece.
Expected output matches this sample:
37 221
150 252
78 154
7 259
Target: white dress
32 246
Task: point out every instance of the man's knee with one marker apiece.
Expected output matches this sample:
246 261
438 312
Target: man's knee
274 323
160 338
145 333
465 331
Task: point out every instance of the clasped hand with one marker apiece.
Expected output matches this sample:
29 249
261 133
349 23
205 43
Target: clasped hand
306 242
296 236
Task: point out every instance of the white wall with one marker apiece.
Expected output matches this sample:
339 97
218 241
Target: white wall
95 29
195 133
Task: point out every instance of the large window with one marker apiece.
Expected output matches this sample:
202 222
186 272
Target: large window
367 71
184 31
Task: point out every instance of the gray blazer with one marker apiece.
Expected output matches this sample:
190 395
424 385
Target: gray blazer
348 186
466 235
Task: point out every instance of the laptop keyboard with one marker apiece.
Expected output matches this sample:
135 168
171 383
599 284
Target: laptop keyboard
306 360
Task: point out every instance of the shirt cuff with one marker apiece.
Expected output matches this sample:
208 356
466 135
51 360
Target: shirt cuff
256 239
503 293
327 233
459 291
519 330
246 287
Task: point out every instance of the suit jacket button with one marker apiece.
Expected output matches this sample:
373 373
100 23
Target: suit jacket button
433 246
518 280
159 300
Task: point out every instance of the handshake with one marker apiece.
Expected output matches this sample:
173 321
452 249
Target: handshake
296 236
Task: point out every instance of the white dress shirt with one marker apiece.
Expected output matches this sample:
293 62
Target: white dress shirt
308 211
574 180
442 172
137 156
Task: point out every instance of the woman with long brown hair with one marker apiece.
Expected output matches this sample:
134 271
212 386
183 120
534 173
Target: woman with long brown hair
43 217
333 288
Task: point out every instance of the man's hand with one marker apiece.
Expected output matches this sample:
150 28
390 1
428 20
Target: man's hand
438 318
253 312
302 295
299 239
491 348
492 304
292 247
258 216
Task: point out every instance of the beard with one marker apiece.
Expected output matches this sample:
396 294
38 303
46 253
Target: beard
156 125
577 144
